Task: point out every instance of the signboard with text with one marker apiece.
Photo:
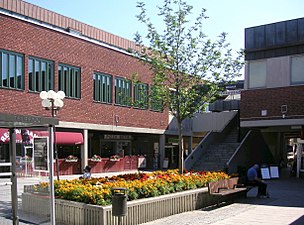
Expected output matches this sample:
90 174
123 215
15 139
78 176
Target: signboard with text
40 154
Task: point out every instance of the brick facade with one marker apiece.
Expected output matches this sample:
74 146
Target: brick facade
271 99
34 40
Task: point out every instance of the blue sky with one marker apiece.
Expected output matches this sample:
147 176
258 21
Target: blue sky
231 16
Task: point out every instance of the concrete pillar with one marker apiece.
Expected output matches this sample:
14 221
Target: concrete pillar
14 187
190 140
299 155
85 149
162 142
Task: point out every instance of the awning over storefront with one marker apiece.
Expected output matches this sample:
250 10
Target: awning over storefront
61 138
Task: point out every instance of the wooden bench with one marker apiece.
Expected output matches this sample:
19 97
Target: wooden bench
227 187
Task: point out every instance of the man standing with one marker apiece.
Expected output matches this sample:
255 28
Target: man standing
254 180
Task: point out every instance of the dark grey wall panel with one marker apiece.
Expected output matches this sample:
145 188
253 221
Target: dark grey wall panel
276 39
280 33
270 38
249 38
259 37
292 31
301 29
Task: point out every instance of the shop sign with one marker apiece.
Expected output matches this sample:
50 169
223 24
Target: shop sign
117 137
6 136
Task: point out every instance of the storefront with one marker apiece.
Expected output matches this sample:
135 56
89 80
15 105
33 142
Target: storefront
122 151
68 144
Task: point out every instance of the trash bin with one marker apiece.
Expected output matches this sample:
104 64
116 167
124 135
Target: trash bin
119 202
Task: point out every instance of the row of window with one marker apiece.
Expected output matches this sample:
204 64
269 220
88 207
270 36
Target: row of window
41 77
258 72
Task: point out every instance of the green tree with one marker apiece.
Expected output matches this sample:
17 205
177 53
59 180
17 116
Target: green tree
188 67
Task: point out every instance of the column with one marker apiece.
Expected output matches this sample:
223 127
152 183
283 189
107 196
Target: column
162 142
190 140
85 149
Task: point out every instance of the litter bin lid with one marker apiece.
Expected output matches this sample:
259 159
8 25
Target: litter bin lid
119 191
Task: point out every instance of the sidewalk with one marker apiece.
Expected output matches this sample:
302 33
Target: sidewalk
285 206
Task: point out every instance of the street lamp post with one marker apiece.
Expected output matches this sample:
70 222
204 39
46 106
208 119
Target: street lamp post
52 101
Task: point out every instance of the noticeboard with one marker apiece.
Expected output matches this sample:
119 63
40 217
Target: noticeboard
40 154
274 171
265 173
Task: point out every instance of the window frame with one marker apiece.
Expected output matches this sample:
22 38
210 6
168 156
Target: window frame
154 105
140 96
18 68
46 82
69 82
103 90
291 70
250 84
122 86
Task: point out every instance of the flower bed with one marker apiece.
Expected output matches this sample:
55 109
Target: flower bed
139 211
98 191
151 196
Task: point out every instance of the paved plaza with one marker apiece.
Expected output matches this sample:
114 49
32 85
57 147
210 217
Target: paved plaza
285 206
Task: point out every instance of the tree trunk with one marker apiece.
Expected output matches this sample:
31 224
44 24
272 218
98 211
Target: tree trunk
180 148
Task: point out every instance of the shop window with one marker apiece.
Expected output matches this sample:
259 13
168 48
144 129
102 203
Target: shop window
102 88
11 70
257 74
140 95
297 70
122 92
69 80
41 75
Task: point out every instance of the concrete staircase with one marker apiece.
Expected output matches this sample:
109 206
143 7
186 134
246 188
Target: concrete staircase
217 154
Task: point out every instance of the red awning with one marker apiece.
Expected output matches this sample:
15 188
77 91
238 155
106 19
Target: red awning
61 138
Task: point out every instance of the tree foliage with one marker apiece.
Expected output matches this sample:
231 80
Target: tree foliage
188 66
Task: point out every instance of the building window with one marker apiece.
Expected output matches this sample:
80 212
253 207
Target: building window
41 75
257 74
102 88
297 70
156 102
122 92
11 69
140 95
69 80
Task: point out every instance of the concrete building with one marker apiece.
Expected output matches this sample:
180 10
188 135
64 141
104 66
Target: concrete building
273 100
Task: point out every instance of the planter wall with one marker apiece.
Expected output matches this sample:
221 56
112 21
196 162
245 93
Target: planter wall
139 211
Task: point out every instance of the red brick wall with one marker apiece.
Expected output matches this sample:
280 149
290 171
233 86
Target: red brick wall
32 40
271 99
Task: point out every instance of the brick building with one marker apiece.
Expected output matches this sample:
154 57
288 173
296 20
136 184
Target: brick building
273 100
42 50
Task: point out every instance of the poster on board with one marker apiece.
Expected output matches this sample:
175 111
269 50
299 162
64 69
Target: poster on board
40 153
265 173
274 171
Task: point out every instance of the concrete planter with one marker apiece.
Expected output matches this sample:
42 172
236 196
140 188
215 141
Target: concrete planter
139 211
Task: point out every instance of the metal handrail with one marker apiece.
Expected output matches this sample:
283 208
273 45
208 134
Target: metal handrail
6 183
6 164
5 174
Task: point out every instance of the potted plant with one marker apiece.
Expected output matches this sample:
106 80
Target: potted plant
96 158
114 158
71 158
